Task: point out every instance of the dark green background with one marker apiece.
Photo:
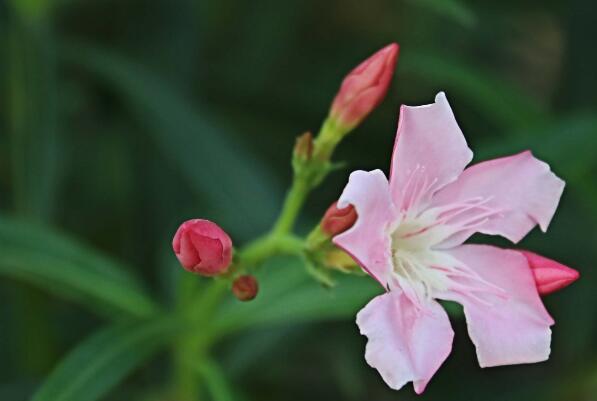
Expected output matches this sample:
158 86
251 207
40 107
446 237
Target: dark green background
120 119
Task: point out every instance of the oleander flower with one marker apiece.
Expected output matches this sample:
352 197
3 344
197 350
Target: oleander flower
409 236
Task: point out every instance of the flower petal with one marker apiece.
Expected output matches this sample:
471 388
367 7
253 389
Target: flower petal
506 330
430 152
368 241
512 194
405 343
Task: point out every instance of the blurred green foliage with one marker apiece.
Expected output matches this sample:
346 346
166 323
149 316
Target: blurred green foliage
119 119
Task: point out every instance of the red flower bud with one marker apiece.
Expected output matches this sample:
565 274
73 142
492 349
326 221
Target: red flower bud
245 288
550 276
336 221
202 247
365 87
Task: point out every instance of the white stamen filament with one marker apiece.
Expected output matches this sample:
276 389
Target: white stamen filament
423 271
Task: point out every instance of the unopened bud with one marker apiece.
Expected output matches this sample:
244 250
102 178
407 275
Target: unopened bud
338 259
245 288
336 221
364 87
550 276
303 147
202 247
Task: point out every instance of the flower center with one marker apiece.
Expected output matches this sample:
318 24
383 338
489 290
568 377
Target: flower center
422 267
415 262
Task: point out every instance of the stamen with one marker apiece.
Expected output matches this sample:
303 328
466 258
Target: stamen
413 243
475 297
413 177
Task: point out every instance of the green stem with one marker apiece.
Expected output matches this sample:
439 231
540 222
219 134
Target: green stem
216 382
198 308
185 385
328 138
279 241
295 198
263 248
308 175
186 382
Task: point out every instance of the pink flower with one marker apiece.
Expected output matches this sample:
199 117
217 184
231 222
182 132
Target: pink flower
550 276
364 87
202 247
409 236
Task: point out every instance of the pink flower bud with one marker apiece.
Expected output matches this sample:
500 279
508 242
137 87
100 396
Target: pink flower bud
336 221
550 276
245 288
202 247
365 87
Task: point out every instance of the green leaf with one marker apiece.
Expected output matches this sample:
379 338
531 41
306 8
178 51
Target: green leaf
491 96
103 360
214 164
32 10
215 381
569 142
35 151
287 294
453 9
51 261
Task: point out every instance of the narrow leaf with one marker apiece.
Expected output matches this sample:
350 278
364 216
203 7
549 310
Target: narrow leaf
455 10
215 381
491 96
51 261
103 360
35 150
289 295
216 168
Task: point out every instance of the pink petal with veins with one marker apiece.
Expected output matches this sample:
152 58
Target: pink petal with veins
520 192
368 241
406 344
510 329
429 153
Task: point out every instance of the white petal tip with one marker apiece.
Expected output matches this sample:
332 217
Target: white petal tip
441 96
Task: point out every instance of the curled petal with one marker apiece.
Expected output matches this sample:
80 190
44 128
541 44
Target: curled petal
510 195
405 343
506 329
368 241
430 152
